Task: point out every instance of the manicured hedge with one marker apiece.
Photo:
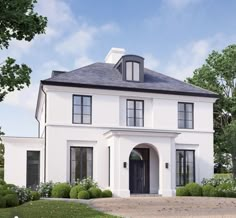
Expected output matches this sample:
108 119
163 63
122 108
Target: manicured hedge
61 190
11 200
83 195
95 192
194 189
182 191
106 194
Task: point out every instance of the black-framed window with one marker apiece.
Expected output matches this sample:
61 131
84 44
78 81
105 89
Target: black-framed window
82 109
185 115
81 163
185 167
135 113
33 169
132 71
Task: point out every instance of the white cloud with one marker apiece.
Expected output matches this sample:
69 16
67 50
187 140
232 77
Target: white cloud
84 38
82 61
185 60
25 98
77 42
151 61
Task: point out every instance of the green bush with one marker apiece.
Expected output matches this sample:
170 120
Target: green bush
206 190
88 183
11 200
1 173
182 191
24 194
106 194
194 189
61 190
35 196
95 192
45 189
213 192
2 182
4 192
75 190
230 194
2 202
83 195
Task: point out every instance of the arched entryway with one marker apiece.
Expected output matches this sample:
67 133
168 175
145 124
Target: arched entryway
143 170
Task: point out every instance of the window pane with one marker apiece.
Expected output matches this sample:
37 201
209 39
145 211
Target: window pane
181 123
77 100
130 104
181 116
86 110
77 109
86 100
33 169
128 70
189 107
130 113
130 121
189 116
86 119
189 124
139 122
81 167
77 118
139 113
139 105
136 71
180 107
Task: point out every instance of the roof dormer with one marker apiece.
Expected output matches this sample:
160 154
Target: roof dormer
131 67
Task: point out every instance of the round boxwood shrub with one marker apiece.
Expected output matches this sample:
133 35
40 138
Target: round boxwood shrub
61 190
83 195
95 192
213 192
75 190
2 202
6 191
11 200
206 190
106 194
194 189
182 191
2 182
35 195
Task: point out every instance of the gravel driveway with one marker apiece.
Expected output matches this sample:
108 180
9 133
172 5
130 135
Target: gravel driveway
173 207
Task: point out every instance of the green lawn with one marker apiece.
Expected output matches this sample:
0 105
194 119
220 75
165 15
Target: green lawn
51 209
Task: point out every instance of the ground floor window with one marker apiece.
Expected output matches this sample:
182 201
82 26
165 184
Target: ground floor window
81 163
33 169
185 167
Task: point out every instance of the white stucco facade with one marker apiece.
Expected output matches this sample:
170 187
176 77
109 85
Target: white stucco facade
109 132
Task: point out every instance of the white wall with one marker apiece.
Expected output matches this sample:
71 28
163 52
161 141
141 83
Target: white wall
16 158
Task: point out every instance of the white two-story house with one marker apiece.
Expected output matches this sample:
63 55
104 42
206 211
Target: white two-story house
131 129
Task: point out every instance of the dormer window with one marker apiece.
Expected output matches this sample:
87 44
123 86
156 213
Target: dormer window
132 71
131 68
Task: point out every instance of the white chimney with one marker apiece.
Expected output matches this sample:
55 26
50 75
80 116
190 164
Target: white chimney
114 55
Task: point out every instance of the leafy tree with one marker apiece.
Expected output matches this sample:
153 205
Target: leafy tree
19 21
218 74
230 137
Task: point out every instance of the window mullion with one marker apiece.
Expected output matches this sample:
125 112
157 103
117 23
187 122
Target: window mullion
134 113
82 111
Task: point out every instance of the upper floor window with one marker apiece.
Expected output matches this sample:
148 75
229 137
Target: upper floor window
135 113
82 109
185 115
132 71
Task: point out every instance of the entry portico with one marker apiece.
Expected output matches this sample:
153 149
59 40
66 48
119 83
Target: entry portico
160 160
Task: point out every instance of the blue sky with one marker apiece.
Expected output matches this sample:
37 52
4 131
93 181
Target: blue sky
174 37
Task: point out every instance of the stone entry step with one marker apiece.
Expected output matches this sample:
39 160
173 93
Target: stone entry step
145 195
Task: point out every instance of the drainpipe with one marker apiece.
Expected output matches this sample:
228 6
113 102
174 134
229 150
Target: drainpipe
45 132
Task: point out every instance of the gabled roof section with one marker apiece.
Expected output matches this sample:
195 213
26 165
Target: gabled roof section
105 76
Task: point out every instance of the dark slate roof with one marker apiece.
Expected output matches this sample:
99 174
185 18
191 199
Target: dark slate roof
104 76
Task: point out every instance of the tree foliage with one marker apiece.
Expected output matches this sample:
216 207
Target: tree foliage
218 74
19 21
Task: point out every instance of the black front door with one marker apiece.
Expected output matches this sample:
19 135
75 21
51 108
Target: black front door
139 171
